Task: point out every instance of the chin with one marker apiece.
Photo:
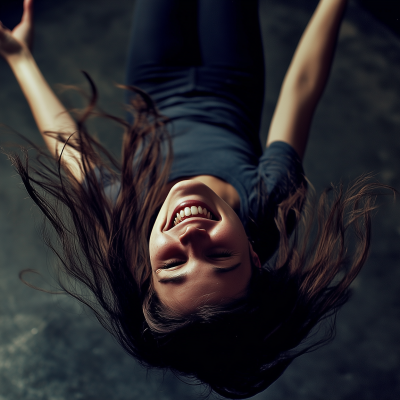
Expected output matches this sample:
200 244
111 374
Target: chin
190 185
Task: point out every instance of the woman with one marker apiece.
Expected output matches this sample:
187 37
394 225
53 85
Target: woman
187 257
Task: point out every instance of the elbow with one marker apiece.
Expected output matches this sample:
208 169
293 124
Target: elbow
303 82
305 85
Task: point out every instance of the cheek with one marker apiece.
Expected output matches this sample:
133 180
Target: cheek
161 247
234 234
159 222
156 240
156 244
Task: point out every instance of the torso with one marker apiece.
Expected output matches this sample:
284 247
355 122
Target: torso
223 189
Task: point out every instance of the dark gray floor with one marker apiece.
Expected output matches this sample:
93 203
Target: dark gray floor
51 349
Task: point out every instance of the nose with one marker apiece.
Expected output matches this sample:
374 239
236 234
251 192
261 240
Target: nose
193 235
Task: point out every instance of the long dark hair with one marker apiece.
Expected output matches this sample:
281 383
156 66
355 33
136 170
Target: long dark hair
237 349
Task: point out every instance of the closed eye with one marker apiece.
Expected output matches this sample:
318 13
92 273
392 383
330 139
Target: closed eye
224 254
178 279
174 263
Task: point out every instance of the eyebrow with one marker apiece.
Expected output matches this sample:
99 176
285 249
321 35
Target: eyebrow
182 277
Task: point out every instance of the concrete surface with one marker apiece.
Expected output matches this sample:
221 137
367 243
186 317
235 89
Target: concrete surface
51 349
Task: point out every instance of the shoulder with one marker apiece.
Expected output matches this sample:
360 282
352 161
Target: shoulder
280 175
280 169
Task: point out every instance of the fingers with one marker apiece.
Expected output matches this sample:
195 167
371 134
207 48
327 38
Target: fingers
3 28
28 11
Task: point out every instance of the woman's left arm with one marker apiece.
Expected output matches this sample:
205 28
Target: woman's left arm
49 113
306 77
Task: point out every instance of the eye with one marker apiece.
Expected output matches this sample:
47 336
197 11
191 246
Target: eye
222 254
172 263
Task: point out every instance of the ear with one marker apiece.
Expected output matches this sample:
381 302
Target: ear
254 256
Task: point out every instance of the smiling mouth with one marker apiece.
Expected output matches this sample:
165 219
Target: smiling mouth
190 209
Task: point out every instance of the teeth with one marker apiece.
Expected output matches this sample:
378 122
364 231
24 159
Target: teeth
188 211
194 210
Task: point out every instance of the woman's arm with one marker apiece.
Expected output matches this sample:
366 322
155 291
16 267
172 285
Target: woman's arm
306 77
49 113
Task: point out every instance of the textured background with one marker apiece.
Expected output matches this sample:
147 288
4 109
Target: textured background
50 348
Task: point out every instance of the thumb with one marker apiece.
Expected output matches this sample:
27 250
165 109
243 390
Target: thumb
28 11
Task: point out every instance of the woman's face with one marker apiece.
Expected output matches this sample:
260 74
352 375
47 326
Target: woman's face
198 260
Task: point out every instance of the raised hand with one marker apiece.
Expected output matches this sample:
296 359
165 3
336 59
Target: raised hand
21 37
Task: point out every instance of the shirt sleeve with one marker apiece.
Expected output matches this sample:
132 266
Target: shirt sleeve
280 174
281 171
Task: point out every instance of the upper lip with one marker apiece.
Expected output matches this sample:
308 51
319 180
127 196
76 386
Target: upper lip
202 223
190 203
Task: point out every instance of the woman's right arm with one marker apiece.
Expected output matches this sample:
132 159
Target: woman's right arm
48 112
306 77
